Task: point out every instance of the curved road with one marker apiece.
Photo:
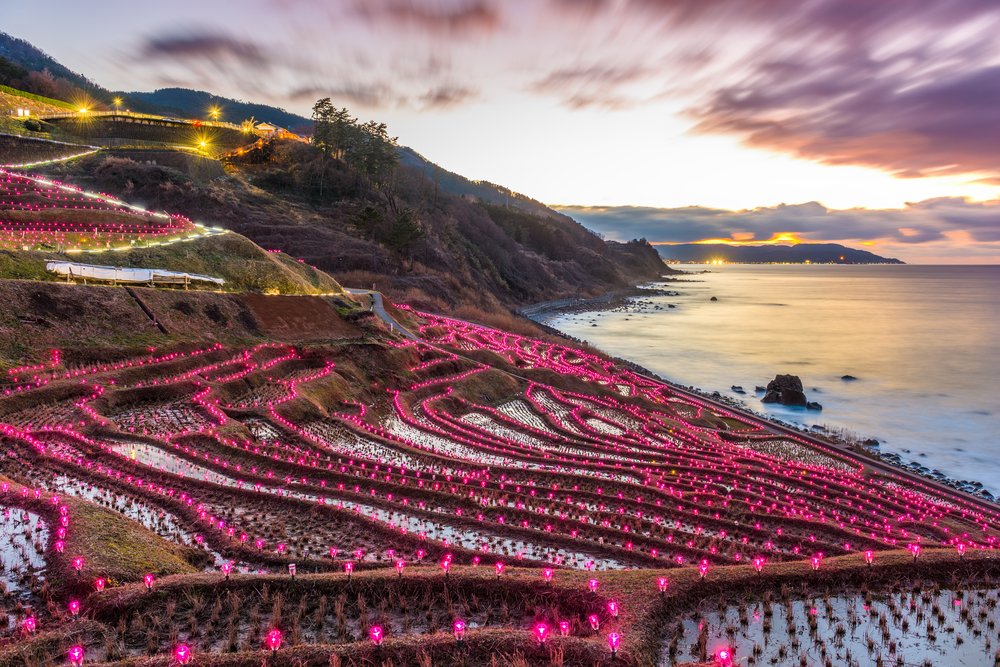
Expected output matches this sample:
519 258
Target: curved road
379 309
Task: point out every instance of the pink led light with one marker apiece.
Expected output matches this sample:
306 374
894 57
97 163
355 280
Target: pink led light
614 639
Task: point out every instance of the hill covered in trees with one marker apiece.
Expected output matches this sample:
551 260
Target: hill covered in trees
196 103
27 68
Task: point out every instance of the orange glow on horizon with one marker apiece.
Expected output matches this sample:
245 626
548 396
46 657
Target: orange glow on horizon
788 238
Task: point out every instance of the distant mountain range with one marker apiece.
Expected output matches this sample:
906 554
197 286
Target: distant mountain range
813 253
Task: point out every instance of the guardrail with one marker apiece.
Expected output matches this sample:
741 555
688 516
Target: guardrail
140 116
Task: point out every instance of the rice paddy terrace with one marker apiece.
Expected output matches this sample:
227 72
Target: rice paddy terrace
471 497
40 213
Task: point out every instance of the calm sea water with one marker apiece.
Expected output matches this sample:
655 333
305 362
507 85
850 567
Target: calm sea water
923 341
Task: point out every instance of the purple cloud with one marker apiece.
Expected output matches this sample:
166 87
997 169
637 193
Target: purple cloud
926 222
445 18
209 46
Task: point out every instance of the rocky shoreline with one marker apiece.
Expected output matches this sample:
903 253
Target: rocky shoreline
543 313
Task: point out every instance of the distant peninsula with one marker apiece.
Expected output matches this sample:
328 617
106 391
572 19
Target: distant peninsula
802 253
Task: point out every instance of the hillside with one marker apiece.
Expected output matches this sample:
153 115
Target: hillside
814 253
462 253
457 184
417 232
25 67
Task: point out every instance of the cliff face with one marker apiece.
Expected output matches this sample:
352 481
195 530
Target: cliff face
640 259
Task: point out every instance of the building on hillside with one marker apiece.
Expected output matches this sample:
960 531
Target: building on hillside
270 131
267 130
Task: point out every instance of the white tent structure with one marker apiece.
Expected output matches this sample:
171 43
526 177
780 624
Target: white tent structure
117 274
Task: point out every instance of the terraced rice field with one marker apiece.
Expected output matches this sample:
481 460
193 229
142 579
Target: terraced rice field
476 485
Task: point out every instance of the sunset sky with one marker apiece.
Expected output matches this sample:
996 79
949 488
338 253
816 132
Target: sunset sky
854 121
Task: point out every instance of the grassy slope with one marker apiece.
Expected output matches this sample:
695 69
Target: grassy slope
34 102
244 265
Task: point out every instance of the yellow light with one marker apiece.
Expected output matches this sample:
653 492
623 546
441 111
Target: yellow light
203 143
83 111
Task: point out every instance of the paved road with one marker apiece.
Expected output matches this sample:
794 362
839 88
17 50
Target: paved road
872 464
379 310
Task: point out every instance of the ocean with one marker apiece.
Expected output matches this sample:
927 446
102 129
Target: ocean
922 341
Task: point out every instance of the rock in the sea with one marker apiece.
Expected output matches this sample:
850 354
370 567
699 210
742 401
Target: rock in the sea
714 298
760 388
871 442
738 389
786 390
812 405
848 377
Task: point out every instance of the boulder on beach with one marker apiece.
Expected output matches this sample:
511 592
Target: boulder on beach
786 390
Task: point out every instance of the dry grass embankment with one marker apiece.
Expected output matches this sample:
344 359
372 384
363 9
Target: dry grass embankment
245 266
113 547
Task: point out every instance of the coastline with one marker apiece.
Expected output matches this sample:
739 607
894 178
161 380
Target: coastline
541 314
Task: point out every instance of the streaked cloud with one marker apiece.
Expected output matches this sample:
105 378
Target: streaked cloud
724 103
